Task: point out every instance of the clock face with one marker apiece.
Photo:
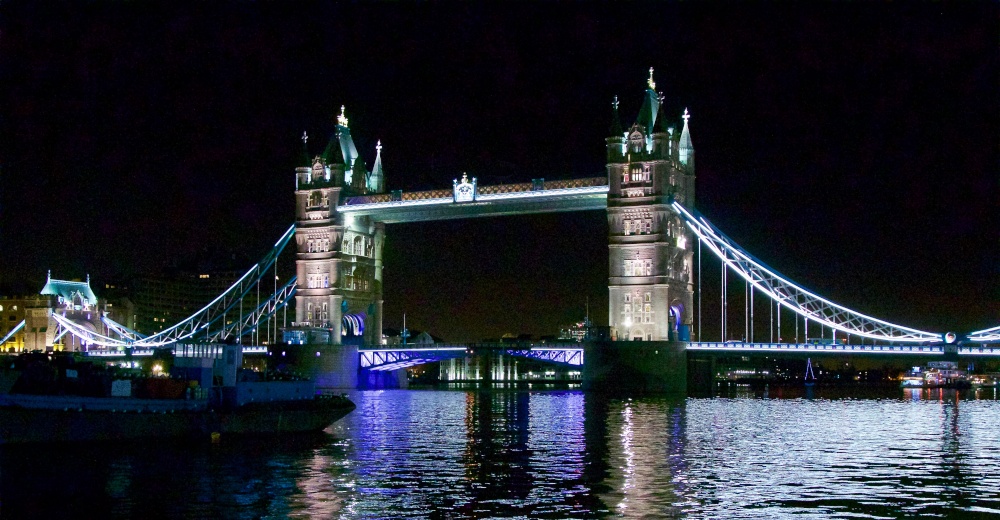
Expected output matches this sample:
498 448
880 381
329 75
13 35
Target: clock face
465 189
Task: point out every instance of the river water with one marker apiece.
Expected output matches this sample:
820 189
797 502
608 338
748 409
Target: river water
553 454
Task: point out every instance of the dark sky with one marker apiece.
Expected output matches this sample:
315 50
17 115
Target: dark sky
853 147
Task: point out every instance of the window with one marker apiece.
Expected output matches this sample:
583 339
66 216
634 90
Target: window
628 227
635 142
628 298
648 297
326 282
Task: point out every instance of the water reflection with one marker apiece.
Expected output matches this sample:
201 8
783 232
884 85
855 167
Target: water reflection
820 453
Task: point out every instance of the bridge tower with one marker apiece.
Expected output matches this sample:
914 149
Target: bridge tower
650 250
338 258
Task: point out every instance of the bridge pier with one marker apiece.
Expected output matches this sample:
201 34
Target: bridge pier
331 366
635 366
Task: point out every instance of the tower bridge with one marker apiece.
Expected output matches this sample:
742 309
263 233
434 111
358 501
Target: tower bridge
648 193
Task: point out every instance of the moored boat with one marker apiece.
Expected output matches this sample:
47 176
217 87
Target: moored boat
242 403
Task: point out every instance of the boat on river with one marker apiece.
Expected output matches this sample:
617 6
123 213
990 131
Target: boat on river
41 402
937 374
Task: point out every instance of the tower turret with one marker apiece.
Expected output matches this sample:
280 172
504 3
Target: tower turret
685 150
616 142
376 181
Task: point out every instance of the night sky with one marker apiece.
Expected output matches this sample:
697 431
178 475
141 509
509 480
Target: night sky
852 147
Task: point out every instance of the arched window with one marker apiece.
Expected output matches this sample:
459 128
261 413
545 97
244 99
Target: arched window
635 142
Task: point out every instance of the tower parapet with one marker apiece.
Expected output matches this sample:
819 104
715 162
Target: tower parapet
650 258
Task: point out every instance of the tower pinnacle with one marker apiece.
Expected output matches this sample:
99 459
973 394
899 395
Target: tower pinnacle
342 118
650 82
685 149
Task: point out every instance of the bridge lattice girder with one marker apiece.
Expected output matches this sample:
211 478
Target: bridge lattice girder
985 336
123 332
793 297
250 320
403 357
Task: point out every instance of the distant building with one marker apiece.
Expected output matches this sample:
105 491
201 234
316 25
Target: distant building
161 302
575 332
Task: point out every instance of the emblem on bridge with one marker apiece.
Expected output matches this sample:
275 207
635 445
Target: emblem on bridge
465 191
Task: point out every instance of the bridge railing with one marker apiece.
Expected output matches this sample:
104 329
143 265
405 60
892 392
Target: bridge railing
813 347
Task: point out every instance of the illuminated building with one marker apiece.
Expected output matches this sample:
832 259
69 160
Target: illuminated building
73 299
650 257
338 257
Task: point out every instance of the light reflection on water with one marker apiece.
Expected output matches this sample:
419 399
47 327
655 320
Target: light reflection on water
554 454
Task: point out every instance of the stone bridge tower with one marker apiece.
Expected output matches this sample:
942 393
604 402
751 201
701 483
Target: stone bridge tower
338 259
650 249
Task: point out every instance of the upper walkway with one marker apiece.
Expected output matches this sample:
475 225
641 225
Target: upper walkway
538 196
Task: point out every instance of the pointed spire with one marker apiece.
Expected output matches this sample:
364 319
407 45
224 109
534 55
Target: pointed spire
662 121
49 276
304 156
684 147
650 82
616 124
376 183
